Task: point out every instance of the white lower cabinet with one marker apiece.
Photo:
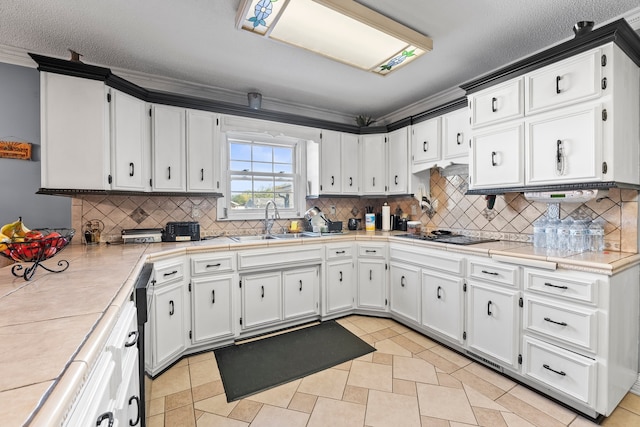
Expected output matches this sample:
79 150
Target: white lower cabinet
404 284
261 299
300 291
443 304
212 308
339 279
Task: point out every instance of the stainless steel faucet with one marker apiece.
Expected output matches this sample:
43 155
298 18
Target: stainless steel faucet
268 223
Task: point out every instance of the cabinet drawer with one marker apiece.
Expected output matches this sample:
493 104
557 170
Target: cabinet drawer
277 257
168 271
498 103
433 259
339 251
572 80
568 285
495 273
212 264
563 322
563 370
371 250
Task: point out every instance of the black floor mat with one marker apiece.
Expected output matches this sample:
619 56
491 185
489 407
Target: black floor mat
259 365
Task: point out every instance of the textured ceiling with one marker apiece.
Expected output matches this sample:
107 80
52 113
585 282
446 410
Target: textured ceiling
196 41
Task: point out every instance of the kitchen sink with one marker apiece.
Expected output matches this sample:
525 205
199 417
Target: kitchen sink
281 236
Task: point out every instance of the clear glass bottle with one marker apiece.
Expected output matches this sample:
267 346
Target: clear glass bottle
577 235
539 235
596 237
551 233
563 234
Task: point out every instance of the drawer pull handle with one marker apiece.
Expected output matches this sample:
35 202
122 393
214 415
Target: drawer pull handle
105 416
493 273
374 181
369 251
340 252
169 176
489 313
553 321
402 281
172 310
262 291
425 146
493 159
350 181
137 420
396 180
459 138
370 275
300 285
213 296
558 78
545 366
438 292
134 341
341 276
213 265
132 169
555 286
170 274
333 180
494 108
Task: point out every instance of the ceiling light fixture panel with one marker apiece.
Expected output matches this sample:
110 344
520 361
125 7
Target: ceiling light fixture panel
344 31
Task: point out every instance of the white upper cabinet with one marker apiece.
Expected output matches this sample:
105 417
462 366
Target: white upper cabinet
580 118
169 142
74 116
202 146
425 143
330 162
350 163
498 103
130 142
398 161
569 81
374 164
456 136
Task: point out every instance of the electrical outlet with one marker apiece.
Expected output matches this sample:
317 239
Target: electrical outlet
332 209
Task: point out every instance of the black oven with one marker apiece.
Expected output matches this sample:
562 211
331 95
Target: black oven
142 310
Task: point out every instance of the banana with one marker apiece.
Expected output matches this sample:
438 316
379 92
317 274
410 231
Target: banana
14 230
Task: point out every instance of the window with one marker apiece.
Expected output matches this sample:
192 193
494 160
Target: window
261 168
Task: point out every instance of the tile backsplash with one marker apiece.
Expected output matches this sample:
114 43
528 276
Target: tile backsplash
510 219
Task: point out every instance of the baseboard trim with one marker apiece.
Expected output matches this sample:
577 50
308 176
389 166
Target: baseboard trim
635 389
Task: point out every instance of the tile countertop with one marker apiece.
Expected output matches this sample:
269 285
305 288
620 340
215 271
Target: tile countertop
54 325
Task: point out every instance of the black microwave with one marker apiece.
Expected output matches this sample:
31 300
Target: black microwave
181 231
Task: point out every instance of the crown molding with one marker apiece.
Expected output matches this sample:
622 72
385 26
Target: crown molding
16 56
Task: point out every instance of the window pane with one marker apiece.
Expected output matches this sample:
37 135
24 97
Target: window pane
282 168
283 154
239 151
239 166
262 167
240 184
262 153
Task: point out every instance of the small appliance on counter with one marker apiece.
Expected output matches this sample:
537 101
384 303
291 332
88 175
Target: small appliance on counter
177 231
317 221
142 235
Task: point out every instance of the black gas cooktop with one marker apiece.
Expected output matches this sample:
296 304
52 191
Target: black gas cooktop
454 239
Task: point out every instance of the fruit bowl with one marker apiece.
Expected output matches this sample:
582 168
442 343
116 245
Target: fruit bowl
36 250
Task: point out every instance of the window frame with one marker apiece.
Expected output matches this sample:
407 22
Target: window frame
224 210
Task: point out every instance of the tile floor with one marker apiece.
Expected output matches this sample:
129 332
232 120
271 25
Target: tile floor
409 381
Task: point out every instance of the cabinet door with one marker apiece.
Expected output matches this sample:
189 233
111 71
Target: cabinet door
169 327
398 162
456 135
127 404
96 398
212 307
168 132
300 292
339 286
75 133
330 163
497 157
498 103
373 164
350 164
130 142
442 304
202 133
565 146
261 299
569 81
493 322
372 284
404 284
425 141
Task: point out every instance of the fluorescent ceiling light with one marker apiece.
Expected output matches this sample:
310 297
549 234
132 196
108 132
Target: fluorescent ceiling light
343 30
